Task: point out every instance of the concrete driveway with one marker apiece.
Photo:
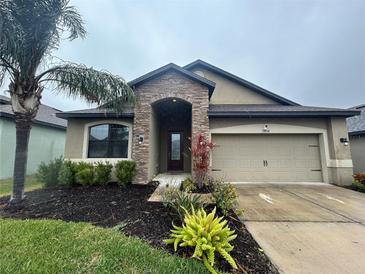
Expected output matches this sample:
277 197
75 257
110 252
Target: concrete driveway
307 228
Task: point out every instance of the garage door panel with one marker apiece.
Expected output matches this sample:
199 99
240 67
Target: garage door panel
290 158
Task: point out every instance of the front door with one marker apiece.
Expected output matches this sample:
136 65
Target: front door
175 151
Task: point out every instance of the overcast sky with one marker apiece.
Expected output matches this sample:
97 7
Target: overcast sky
310 51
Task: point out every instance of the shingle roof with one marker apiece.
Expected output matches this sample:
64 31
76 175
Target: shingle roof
200 63
356 124
96 113
242 110
46 115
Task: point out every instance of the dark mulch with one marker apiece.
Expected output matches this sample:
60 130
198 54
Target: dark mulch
127 208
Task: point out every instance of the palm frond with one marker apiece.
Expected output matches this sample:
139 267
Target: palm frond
94 86
30 30
72 21
2 75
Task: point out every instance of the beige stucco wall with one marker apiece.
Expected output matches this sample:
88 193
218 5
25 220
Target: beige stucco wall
77 130
358 153
229 92
341 167
335 157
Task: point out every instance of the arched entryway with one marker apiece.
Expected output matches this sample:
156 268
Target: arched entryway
170 133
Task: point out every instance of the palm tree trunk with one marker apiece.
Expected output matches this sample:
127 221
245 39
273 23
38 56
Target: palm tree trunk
23 125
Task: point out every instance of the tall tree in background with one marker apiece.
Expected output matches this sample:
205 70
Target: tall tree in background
29 32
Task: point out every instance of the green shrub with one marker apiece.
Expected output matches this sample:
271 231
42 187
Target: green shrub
67 173
188 185
102 173
85 176
357 186
72 173
206 234
125 171
81 166
48 173
83 173
224 196
180 202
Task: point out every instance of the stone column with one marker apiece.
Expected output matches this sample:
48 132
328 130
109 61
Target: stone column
140 153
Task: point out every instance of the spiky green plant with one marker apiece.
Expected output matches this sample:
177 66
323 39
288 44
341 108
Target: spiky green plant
207 234
179 201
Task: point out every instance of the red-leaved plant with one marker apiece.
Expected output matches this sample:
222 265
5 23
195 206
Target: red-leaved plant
359 177
200 151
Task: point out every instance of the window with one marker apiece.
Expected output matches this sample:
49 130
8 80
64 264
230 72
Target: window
108 141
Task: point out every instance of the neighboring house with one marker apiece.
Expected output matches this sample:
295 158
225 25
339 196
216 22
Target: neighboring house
260 136
356 128
47 138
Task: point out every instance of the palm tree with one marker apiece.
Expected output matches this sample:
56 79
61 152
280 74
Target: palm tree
29 32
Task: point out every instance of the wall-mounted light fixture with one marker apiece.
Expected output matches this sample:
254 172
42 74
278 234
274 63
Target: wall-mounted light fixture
266 128
174 100
140 139
344 141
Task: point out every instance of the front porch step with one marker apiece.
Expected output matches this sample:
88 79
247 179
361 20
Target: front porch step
167 180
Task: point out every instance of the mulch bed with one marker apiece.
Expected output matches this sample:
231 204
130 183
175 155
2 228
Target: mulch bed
129 210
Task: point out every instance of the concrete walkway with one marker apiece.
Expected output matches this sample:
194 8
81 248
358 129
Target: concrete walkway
171 179
307 228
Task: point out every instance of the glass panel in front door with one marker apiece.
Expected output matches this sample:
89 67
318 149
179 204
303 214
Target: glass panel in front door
175 146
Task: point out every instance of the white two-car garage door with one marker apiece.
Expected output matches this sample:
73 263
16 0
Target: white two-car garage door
267 158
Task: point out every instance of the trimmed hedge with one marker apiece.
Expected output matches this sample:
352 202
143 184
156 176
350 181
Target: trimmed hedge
125 171
48 173
68 173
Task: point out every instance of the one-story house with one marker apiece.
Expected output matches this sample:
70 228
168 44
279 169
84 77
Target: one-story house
46 142
356 128
259 135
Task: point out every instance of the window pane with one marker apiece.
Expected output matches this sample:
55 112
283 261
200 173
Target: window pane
118 149
99 133
98 141
175 146
98 149
108 141
118 132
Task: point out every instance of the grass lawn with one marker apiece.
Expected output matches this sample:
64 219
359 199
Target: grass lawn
31 183
49 246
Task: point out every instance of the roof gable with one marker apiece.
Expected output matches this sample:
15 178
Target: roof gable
201 64
173 67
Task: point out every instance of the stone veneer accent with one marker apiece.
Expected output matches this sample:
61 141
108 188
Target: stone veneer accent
169 85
